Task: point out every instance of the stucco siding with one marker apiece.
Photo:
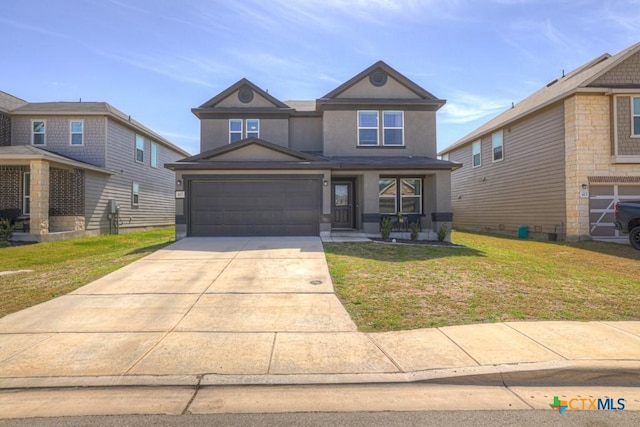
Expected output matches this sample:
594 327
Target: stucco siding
232 101
214 133
305 134
392 89
340 130
58 136
526 188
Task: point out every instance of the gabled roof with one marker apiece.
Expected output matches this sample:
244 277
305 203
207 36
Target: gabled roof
29 152
9 102
90 109
578 80
246 142
236 86
421 92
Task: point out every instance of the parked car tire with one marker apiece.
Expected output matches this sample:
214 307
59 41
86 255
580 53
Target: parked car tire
634 237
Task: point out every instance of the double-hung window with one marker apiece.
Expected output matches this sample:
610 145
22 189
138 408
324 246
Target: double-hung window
76 129
636 116
135 194
139 148
476 154
370 134
367 128
497 144
393 127
154 155
400 195
38 128
240 129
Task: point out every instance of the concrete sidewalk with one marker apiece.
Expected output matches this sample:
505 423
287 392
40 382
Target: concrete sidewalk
256 311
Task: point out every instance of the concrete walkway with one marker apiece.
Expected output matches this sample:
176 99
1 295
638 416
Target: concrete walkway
256 311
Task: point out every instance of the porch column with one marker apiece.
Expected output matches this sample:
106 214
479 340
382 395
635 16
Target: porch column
371 205
439 193
39 216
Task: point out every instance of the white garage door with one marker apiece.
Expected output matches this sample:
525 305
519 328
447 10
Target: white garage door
602 201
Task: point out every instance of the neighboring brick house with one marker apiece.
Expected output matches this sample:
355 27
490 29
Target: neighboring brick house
64 166
558 161
364 151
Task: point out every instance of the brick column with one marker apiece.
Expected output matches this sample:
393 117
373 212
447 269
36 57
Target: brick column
39 217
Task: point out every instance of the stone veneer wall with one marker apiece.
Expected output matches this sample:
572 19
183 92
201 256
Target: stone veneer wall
66 223
588 154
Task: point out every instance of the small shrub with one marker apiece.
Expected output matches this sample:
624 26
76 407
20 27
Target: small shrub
442 233
415 229
6 231
386 225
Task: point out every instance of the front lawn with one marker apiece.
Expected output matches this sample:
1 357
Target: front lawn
63 266
492 279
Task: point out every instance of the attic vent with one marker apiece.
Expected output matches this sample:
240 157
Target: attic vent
378 78
245 95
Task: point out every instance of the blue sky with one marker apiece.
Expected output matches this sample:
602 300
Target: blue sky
157 59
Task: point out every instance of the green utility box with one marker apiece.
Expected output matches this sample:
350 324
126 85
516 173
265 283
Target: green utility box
523 232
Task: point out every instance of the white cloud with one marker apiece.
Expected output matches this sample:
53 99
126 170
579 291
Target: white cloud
465 107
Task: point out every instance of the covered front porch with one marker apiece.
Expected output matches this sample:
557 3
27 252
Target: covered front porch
42 194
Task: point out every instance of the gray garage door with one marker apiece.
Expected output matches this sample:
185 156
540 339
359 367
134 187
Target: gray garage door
602 201
255 207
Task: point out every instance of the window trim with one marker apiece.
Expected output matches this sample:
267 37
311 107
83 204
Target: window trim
377 128
26 193
395 196
135 194
71 133
385 128
43 133
633 116
137 149
475 144
445 156
154 155
247 132
493 146
398 196
235 132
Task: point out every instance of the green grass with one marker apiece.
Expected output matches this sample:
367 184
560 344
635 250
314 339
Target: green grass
493 278
63 266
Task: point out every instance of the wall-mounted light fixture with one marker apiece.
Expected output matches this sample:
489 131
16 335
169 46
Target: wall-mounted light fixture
585 186
325 182
179 182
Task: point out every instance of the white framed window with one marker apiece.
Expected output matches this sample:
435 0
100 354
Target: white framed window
139 148
393 128
76 131
235 130
476 154
154 155
26 193
253 128
635 113
38 129
368 128
445 156
240 129
400 195
388 195
135 194
497 145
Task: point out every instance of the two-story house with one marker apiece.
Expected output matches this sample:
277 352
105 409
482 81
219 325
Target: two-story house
69 169
364 150
558 161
